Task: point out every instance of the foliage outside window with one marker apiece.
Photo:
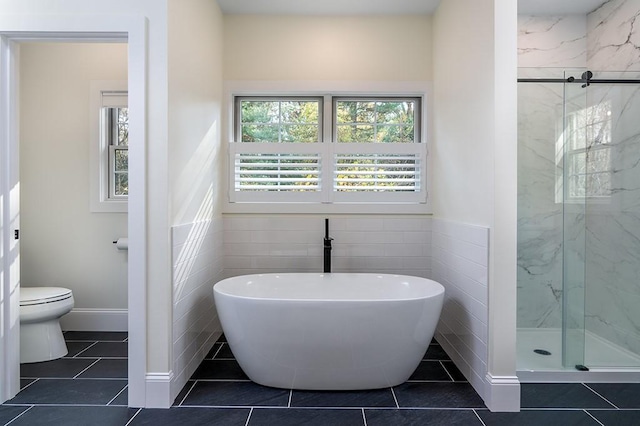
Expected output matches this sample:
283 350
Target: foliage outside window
118 137
589 153
281 153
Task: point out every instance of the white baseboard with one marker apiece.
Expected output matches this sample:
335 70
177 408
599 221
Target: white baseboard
84 319
158 390
502 393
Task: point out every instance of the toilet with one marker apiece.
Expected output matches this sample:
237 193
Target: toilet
40 333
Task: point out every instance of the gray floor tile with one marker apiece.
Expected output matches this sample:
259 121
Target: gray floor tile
94 336
430 370
187 416
107 369
219 369
617 417
225 352
70 391
77 416
223 394
559 395
538 418
350 399
59 368
421 417
76 347
437 395
307 417
622 395
107 350
26 382
453 371
7 413
435 352
122 398
212 352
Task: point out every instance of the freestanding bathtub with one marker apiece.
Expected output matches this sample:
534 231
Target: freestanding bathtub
336 331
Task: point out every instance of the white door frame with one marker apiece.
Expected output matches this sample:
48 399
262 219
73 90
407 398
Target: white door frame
132 29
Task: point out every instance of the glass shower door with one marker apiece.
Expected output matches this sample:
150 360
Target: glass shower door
574 152
612 221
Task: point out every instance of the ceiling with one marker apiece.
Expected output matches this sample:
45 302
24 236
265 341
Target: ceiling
557 7
389 7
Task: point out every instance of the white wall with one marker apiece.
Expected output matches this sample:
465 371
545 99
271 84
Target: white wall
63 243
345 53
195 94
327 48
474 170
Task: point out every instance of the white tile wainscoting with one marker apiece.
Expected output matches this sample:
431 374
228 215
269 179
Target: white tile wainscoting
460 264
384 244
197 265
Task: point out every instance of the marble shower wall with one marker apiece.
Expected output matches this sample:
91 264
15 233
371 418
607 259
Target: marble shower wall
613 225
547 45
606 39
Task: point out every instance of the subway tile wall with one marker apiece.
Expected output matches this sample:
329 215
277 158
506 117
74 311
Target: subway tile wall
197 261
460 264
294 243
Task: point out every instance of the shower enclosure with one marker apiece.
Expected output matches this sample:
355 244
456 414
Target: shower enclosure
578 222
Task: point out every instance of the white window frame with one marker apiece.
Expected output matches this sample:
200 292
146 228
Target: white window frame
104 93
337 202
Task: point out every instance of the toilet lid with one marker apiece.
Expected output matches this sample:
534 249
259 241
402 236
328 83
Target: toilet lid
39 295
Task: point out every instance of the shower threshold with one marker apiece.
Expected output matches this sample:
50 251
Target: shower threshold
540 359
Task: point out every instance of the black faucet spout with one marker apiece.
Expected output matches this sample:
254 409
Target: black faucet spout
327 247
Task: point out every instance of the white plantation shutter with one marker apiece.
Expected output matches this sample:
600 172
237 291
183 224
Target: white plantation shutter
276 172
379 172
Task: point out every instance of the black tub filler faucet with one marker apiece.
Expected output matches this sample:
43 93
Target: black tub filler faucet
327 247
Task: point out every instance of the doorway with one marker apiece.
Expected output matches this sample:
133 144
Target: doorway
12 34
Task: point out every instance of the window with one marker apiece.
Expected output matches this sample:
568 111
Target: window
117 135
109 146
373 152
589 153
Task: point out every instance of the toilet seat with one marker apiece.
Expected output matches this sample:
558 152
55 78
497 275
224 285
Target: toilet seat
30 296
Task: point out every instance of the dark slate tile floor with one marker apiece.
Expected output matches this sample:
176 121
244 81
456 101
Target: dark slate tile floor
89 387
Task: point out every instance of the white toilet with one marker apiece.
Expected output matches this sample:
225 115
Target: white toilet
40 333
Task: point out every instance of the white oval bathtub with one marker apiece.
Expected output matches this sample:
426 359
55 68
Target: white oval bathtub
335 331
